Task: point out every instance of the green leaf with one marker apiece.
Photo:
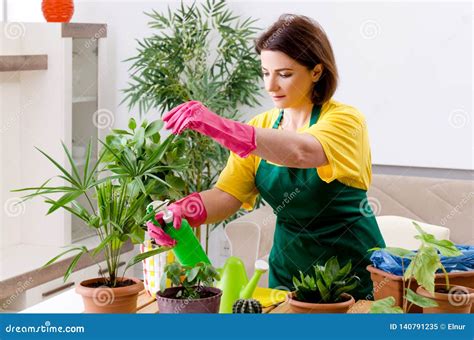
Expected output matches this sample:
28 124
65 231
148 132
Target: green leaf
423 267
400 252
157 155
163 282
343 272
323 290
54 259
331 269
140 257
419 300
139 137
445 247
121 132
153 128
102 244
192 274
345 288
72 163
73 264
132 124
65 199
385 306
67 175
175 182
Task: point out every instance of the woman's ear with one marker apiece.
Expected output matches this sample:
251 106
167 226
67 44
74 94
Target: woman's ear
317 72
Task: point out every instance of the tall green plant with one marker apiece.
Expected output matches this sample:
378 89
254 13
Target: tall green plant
128 172
200 53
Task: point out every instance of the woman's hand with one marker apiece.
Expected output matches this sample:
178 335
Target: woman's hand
237 137
190 207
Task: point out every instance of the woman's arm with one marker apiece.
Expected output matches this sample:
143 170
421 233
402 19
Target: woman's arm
219 205
289 148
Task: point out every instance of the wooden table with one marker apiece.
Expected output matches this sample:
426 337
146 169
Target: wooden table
147 304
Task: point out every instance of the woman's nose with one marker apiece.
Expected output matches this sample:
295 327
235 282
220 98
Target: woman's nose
271 84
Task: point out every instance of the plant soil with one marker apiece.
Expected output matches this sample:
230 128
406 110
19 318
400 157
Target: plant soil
202 294
124 283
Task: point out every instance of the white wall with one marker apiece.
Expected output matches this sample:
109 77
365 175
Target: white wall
407 67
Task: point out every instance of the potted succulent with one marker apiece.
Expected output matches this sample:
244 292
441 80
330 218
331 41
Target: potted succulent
327 291
418 280
191 289
128 170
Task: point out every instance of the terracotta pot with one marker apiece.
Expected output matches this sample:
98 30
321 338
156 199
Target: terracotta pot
168 304
57 10
109 300
458 300
386 284
318 308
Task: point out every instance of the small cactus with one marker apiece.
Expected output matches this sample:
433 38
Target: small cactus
247 306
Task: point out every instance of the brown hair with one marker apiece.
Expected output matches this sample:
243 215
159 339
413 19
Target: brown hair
304 40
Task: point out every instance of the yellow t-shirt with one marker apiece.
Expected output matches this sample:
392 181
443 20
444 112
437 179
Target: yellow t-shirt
341 130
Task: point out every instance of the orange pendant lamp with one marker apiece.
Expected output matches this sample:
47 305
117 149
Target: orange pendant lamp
57 10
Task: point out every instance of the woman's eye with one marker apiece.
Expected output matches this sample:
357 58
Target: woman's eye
285 75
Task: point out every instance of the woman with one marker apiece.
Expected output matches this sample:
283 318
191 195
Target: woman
309 158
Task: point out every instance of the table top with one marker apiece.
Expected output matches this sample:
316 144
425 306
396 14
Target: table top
147 304
71 302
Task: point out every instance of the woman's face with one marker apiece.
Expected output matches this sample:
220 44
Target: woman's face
288 83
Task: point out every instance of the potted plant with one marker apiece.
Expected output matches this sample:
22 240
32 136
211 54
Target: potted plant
191 289
327 291
174 65
120 182
424 263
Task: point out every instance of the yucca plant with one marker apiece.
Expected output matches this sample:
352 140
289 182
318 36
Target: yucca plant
129 171
327 284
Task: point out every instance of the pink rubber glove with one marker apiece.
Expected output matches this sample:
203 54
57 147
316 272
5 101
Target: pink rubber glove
161 238
237 137
190 207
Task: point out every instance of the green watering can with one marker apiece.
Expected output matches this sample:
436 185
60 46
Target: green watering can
235 284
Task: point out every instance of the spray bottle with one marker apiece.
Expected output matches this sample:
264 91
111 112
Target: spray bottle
187 250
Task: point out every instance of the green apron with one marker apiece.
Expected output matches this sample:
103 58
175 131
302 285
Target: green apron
316 220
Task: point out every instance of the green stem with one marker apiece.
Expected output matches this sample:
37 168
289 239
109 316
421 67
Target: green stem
90 202
446 276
